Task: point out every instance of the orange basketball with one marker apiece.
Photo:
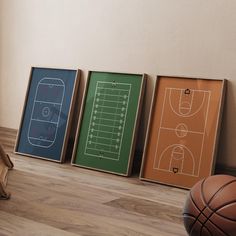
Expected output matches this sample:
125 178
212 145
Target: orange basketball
210 208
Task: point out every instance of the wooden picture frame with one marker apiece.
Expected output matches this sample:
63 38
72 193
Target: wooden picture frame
183 130
47 113
107 128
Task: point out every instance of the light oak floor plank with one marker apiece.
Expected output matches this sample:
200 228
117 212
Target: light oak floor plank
14 225
60 199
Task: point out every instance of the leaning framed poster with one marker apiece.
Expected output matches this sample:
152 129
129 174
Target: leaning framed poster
183 130
107 128
47 113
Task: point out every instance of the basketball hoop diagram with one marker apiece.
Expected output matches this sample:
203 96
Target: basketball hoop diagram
189 107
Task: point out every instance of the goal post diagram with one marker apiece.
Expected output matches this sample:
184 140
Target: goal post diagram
107 129
181 143
180 138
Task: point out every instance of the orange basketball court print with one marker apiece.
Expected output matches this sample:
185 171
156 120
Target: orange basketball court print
181 142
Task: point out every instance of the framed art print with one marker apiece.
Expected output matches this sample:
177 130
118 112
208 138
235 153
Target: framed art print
107 127
47 113
183 130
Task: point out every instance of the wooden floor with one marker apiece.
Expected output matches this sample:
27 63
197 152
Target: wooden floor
59 199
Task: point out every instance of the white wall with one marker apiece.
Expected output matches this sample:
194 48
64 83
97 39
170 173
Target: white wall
169 37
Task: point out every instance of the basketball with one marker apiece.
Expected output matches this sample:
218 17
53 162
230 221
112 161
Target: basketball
210 208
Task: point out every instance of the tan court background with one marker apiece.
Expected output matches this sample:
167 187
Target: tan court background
182 156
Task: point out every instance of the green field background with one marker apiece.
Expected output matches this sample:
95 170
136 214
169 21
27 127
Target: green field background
95 162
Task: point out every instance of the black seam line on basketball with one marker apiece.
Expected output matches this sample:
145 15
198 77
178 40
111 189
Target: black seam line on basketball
221 230
201 212
220 207
197 218
208 203
189 216
209 220
207 206
219 190
207 231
